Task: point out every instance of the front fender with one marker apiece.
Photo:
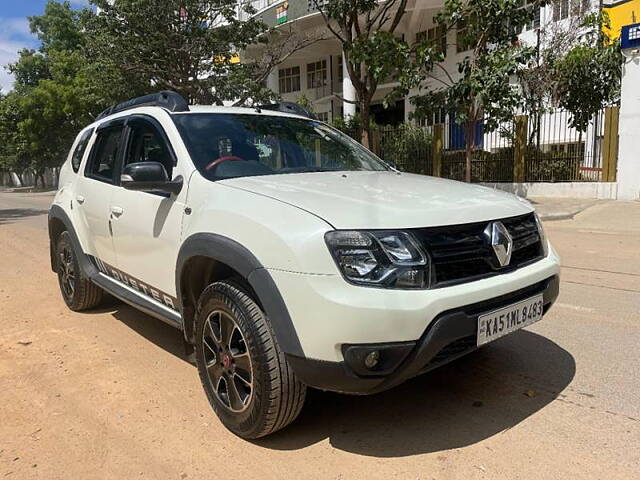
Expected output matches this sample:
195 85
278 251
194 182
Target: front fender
240 259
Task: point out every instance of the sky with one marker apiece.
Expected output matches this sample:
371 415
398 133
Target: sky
14 31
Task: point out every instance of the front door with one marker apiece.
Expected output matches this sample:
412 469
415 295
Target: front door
147 226
94 192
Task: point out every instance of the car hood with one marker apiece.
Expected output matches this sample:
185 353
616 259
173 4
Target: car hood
386 200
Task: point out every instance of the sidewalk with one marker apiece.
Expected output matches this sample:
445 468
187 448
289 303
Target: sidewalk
550 208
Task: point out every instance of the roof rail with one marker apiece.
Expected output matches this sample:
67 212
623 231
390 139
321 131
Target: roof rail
289 107
172 101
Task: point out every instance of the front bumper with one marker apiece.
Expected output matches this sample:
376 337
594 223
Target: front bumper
449 336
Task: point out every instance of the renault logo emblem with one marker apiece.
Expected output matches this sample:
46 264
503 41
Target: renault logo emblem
501 242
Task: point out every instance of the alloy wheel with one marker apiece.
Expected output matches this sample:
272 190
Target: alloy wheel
67 272
228 363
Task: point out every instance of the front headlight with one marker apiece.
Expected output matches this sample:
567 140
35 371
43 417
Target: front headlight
543 236
380 258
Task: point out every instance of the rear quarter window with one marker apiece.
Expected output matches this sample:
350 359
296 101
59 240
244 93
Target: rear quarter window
78 152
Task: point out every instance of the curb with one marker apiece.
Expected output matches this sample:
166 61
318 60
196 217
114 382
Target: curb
564 215
546 217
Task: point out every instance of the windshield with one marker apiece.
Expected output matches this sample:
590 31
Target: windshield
224 145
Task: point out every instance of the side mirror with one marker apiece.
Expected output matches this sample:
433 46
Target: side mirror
149 177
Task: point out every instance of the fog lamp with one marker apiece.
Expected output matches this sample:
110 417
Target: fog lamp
372 359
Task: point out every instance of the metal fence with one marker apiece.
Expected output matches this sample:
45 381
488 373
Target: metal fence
557 152
550 150
407 146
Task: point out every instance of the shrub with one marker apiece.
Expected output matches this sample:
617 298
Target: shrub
408 147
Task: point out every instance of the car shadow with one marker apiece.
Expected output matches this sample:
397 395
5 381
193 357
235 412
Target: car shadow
459 404
156 331
10 215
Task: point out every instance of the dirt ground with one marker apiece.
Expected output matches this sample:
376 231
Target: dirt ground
108 394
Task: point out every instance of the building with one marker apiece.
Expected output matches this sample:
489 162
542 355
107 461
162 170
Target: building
318 74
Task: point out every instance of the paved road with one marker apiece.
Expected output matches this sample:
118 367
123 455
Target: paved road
107 394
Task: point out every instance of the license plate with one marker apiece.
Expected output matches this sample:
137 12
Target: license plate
509 319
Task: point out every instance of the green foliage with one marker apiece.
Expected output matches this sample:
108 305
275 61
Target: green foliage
588 77
29 69
13 156
485 166
189 46
54 94
480 89
304 101
498 166
57 29
408 147
373 54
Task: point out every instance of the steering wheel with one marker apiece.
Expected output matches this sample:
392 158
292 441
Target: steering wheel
226 158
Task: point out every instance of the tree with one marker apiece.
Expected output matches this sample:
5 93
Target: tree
13 155
579 69
480 89
189 46
372 53
587 78
53 97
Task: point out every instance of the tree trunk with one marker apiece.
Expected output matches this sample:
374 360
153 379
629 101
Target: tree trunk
365 127
42 182
469 143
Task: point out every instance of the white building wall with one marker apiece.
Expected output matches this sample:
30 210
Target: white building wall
628 157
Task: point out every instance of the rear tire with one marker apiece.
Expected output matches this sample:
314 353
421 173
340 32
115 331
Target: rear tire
78 292
244 373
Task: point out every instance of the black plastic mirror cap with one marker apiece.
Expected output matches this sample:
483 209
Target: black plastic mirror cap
146 172
387 357
169 187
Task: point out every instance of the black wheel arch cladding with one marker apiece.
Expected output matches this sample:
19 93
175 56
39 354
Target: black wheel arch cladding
216 247
57 215
240 259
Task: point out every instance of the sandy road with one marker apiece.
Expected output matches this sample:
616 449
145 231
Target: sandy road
107 394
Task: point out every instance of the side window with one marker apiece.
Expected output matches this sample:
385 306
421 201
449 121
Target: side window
104 154
78 153
146 144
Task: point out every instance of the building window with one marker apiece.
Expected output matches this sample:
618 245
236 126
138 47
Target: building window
463 43
562 9
289 79
323 116
317 74
434 118
436 37
535 11
340 70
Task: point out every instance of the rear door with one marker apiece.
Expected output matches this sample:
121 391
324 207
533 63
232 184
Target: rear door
147 228
95 188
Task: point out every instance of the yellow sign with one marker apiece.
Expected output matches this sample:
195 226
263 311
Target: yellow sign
621 13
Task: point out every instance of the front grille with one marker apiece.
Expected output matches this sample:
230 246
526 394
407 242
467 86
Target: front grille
450 352
462 253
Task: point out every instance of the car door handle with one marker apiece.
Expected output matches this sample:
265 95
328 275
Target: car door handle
80 199
117 211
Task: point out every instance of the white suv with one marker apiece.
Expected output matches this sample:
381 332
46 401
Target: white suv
289 255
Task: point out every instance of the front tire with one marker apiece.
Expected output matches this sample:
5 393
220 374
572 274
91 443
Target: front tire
78 292
246 377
